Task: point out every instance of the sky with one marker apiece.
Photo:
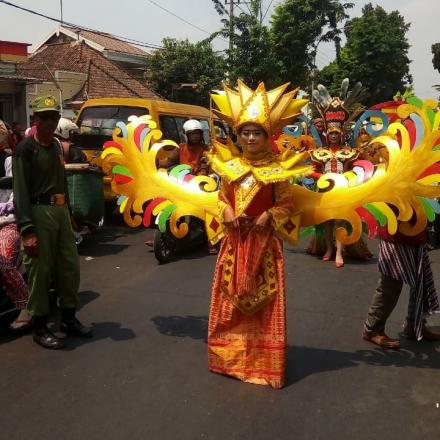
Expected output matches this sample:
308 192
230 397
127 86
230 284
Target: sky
145 21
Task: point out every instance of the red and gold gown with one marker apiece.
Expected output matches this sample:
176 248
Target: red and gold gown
247 323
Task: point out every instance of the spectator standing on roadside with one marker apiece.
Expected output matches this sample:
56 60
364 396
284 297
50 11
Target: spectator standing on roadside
44 222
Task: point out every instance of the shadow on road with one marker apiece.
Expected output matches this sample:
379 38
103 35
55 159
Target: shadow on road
196 327
195 254
85 297
7 336
102 330
305 361
100 244
101 249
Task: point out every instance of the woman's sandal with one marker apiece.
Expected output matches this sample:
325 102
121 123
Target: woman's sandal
21 325
382 340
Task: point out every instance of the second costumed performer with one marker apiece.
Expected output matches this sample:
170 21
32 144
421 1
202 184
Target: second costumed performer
336 157
247 322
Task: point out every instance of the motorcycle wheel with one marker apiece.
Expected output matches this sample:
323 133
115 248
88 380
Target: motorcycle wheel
432 238
163 246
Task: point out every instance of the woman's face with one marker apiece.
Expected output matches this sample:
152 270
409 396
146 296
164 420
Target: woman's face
334 138
253 139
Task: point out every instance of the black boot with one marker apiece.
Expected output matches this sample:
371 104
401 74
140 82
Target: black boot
72 326
43 336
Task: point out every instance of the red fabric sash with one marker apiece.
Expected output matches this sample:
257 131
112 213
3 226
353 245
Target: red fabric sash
249 244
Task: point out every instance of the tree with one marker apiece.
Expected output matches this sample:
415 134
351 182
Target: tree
298 26
435 49
181 62
250 57
376 53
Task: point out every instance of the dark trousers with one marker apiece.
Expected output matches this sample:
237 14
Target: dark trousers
383 302
57 260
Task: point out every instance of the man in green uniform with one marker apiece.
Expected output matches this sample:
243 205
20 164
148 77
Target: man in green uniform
44 221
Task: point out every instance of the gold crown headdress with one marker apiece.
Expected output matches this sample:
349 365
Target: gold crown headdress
271 109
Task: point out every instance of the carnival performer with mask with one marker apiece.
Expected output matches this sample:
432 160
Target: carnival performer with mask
335 157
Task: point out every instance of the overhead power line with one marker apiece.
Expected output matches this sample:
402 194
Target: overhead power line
241 9
183 19
267 9
112 36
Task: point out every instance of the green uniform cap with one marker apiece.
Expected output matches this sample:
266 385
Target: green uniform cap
45 104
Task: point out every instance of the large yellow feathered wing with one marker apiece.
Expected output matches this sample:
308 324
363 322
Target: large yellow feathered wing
367 194
402 189
148 192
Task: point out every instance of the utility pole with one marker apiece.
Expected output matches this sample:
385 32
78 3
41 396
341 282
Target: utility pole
231 4
61 8
231 24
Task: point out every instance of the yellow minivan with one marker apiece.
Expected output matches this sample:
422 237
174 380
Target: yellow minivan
98 117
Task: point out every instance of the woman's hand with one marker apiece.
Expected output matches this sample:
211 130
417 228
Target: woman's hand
229 218
262 220
30 244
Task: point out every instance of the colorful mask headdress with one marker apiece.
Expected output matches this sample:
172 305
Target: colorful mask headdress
271 109
339 110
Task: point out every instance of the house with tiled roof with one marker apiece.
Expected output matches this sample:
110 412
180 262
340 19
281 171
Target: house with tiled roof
127 56
77 65
13 83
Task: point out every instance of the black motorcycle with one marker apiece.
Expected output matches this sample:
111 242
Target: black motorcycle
166 246
434 233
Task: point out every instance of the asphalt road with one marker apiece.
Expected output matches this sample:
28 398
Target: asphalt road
144 375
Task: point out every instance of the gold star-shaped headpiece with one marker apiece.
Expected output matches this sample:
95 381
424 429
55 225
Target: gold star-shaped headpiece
272 109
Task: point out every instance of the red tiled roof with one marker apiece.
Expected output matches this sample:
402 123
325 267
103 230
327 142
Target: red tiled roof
108 42
105 77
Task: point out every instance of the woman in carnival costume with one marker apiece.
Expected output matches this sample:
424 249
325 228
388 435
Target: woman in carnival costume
247 323
335 157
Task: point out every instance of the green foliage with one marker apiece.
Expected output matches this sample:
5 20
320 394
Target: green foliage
250 58
376 53
298 26
183 62
407 94
435 49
